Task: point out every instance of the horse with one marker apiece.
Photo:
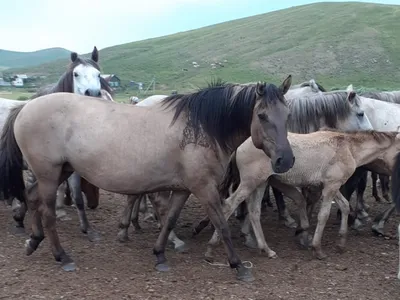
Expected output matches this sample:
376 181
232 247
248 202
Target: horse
338 109
305 88
184 145
134 100
81 77
338 155
391 97
384 117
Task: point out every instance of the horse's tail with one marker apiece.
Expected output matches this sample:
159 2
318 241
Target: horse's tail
231 178
396 182
11 160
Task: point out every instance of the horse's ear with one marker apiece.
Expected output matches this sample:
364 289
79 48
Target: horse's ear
95 54
285 86
351 95
350 88
260 90
74 56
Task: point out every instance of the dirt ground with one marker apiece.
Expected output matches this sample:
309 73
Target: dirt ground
111 270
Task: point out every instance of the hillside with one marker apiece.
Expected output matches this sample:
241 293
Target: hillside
14 59
336 43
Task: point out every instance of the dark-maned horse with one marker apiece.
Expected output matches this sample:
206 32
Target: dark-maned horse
184 145
81 77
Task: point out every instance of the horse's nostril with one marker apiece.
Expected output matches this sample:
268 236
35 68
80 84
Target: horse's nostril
294 159
278 161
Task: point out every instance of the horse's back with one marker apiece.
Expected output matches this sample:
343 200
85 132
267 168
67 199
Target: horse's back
149 101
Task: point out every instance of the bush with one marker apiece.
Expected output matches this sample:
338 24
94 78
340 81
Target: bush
22 98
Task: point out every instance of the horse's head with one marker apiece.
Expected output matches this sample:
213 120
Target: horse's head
359 120
269 124
86 74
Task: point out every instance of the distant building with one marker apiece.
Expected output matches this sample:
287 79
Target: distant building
22 76
18 82
112 80
4 83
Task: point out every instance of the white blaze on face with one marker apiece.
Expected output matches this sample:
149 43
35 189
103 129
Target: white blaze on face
86 80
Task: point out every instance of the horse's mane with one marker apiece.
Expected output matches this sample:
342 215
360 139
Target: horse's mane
382 96
307 83
306 111
221 110
65 83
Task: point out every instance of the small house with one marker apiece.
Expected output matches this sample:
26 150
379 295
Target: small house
112 80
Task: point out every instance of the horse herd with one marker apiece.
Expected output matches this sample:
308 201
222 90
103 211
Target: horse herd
226 144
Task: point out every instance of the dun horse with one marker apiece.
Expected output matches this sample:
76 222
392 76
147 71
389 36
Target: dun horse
338 154
184 145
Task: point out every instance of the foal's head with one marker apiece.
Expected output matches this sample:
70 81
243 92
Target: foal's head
269 124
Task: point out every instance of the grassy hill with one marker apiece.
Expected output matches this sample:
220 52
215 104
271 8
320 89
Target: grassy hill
14 59
336 43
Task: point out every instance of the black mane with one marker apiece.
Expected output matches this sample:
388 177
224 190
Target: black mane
223 111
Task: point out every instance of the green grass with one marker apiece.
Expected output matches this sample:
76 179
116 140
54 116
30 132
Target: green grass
14 59
336 43
14 94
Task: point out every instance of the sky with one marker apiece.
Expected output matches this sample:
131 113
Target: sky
78 25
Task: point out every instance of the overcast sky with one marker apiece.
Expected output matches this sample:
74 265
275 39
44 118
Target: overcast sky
78 25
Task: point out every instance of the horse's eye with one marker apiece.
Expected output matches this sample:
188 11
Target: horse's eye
262 117
76 74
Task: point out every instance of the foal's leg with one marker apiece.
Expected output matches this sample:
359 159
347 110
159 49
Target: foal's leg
282 209
360 204
135 212
328 193
266 201
378 225
345 208
126 217
254 207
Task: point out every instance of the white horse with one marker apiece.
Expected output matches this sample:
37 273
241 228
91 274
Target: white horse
305 88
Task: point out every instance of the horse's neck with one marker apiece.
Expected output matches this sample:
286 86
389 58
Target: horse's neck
365 152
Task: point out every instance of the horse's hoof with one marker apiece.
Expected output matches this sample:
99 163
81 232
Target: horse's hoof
182 249
162 267
250 243
28 249
377 230
319 254
291 224
93 236
387 198
271 254
244 274
69 267
122 237
305 240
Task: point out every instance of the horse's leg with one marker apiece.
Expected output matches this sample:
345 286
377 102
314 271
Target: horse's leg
60 212
385 180
360 204
282 209
145 209
328 193
254 207
135 212
210 199
74 182
311 196
161 203
266 201
243 192
380 220
91 192
374 177
168 221
343 231
34 205
126 217
47 189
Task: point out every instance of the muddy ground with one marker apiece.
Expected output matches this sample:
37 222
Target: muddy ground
110 270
